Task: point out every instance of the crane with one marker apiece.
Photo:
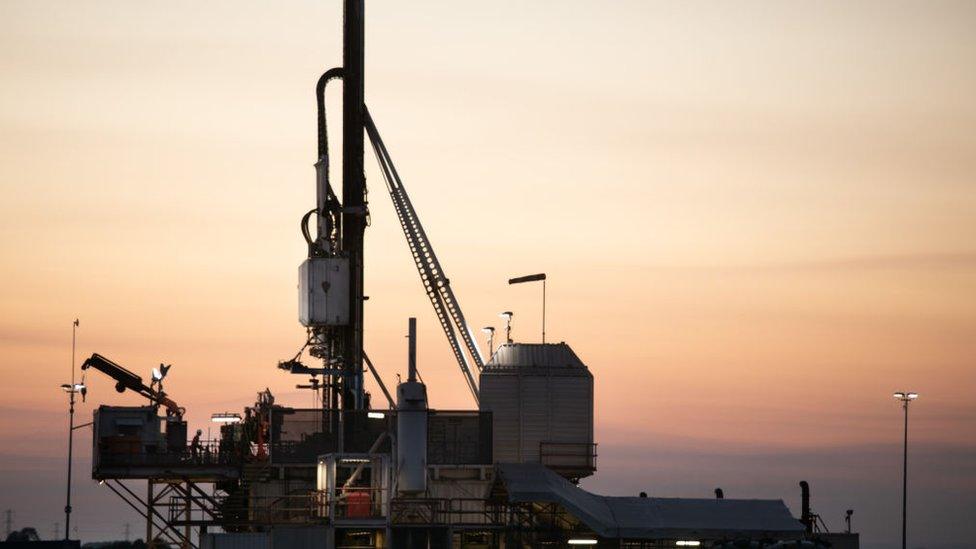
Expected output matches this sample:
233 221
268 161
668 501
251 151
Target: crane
332 240
125 379
436 284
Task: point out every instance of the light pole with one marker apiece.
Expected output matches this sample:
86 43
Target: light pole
490 330
72 389
535 278
905 398
507 315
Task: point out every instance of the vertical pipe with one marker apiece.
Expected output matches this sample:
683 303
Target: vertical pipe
353 194
805 517
412 350
543 311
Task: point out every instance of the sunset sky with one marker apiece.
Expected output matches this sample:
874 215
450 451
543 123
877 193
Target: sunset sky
757 219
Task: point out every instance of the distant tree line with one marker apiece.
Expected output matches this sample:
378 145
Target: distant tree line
24 534
30 534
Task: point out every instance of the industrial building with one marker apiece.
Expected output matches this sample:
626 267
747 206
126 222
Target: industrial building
383 469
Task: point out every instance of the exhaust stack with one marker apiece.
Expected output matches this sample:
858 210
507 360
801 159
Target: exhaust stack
805 516
412 426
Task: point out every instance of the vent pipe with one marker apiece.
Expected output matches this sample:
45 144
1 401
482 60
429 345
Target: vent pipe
412 349
805 515
411 444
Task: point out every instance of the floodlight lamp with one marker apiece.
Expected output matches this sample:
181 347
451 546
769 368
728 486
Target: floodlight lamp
488 330
375 415
226 417
507 315
912 396
687 543
529 278
899 395
582 541
159 373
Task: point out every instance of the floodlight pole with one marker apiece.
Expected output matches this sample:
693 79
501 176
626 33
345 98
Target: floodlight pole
904 482
71 431
905 398
535 278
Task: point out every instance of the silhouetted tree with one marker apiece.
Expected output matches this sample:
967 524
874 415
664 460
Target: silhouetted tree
27 533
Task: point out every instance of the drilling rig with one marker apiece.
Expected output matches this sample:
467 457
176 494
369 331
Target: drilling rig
351 473
331 278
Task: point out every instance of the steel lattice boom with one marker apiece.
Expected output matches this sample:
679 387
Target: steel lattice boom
436 284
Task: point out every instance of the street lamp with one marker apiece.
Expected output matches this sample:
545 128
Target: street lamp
507 315
905 398
72 389
490 330
535 278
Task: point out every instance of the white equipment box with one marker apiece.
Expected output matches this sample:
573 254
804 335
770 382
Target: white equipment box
323 292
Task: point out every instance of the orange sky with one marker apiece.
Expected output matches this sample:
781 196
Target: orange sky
757 220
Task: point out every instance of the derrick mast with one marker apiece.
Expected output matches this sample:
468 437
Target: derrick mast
331 279
354 212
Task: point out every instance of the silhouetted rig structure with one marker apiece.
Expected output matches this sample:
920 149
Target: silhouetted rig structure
350 473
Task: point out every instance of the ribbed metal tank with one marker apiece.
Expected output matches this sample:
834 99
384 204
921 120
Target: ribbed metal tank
541 400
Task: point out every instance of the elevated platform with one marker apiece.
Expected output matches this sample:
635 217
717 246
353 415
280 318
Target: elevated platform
184 471
135 442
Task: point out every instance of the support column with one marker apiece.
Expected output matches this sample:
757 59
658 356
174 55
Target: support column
150 509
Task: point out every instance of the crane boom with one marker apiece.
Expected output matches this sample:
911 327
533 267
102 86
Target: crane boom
436 284
127 380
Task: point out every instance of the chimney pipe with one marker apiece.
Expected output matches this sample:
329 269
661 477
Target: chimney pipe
719 494
411 442
412 350
805 516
